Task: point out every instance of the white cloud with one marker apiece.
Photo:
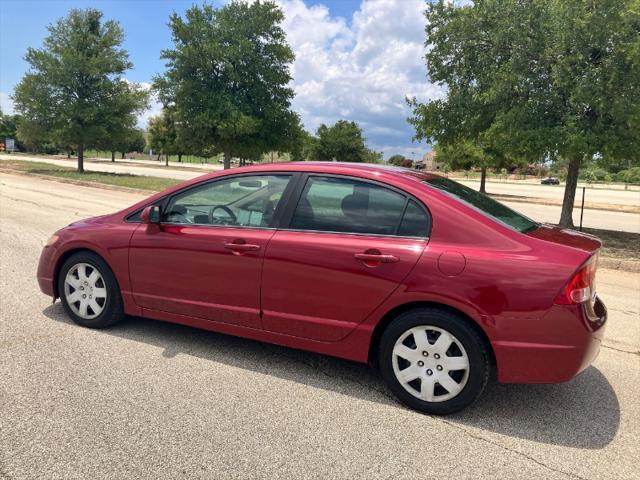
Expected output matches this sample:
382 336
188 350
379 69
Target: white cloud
6 104
361 70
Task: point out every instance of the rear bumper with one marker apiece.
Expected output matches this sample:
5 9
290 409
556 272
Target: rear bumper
575 345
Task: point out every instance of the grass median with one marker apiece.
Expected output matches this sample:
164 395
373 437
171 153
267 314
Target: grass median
141 182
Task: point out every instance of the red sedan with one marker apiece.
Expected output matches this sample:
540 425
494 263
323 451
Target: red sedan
430 280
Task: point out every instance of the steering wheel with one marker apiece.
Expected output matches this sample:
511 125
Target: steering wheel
232 217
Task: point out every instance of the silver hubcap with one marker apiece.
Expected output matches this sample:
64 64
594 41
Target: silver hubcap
85 290
430 363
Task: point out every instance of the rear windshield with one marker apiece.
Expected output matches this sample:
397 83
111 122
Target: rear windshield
484 203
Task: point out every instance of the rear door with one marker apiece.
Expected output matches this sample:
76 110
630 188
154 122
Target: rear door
349 243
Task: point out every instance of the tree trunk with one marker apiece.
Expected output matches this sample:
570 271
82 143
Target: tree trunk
158 159
179 158
566 217
69 154
80 158
483 180
123 153
166 160
113 156
227 160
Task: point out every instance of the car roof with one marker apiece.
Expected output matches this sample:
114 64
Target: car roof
341 168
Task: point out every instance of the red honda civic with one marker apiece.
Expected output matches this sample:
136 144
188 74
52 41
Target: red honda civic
434 283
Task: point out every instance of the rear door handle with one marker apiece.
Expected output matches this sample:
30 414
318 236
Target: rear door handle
371 258
241 247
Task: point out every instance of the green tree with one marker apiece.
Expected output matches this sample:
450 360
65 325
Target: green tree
302 144
541 79
371 156
164 135
395 160
135 142
8 126
122 136
466 154
228 79
74 87
131 140
343 142
32 135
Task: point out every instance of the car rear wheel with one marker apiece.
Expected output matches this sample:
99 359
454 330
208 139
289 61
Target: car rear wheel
433 361
89 291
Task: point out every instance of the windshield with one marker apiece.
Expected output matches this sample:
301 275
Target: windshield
484 203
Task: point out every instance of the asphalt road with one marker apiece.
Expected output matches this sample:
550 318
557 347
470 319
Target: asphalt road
615 195
152 400
602 219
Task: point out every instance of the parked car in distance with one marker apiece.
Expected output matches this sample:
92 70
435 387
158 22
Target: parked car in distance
432 282
550 181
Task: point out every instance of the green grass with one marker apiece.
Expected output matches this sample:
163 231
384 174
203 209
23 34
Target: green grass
143 156
624 245
117 179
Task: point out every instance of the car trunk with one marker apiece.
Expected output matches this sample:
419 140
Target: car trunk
570 238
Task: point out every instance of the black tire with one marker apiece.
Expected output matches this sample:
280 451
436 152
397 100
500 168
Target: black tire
113 309
456 325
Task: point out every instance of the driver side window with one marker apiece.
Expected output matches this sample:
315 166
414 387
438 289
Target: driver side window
245 201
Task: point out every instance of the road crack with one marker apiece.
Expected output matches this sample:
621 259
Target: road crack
637 352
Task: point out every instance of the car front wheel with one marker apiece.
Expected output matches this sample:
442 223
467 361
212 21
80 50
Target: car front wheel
89 291
433 361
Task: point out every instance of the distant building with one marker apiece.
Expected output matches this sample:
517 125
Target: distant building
429 162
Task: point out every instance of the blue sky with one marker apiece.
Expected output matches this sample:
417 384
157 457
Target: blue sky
355 60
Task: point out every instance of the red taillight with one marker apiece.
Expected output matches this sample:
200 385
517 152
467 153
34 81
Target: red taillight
581 286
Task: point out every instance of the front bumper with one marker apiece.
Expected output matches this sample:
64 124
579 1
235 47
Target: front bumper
46 268
576 344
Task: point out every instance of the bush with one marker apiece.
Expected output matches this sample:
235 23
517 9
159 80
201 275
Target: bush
631 175
592 175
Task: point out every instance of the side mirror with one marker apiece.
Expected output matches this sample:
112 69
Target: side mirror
151 215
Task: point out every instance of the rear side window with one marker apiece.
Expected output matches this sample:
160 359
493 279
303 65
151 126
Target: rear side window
484 203
347 205
415 222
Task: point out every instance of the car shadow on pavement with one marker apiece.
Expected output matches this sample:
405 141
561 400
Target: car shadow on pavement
582 413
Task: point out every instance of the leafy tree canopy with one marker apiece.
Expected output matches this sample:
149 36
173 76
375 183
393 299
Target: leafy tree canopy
228 78
395 160
535 80
75 88
342 141
8 126
164 136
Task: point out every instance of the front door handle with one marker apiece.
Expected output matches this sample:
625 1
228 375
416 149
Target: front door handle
374 257
240 248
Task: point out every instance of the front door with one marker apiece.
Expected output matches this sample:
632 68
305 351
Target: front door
348 246
205 258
